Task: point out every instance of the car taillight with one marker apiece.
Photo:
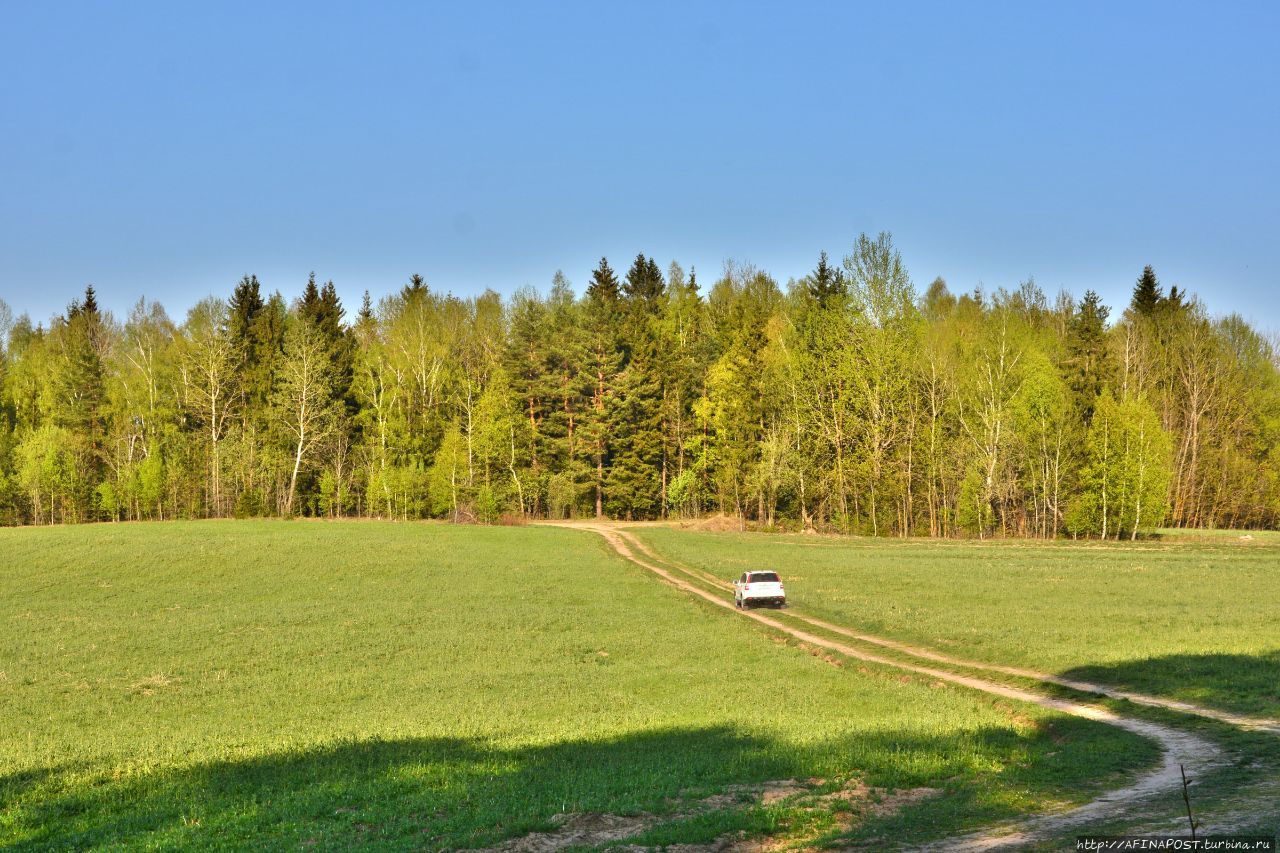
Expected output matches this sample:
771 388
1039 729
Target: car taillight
746 586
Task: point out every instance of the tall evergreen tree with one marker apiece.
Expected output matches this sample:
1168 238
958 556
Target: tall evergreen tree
604 288
309 302
644 284
79 394
90 305
1087 361
1147 294
245 304
634 481
321 307
416 286
826 282
602 319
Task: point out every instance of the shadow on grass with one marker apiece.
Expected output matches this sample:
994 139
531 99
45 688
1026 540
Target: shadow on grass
438 793
1248 684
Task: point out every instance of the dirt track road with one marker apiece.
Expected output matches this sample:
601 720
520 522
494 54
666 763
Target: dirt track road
1179 747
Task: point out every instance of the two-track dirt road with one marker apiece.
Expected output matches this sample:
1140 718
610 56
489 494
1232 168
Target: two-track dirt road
1180 748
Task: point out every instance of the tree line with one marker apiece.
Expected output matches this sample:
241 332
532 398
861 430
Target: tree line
844 401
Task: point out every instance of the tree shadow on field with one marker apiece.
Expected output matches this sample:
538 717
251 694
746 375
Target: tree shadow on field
435 793
1247 684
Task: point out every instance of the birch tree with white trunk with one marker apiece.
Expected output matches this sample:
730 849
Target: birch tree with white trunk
305 412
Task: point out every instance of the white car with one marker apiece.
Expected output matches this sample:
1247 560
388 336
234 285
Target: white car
759 588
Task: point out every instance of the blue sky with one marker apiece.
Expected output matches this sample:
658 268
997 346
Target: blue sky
168 149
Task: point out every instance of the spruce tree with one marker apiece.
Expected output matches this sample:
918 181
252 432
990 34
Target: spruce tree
1147 295
266 347
656 283
604 287
245 304
634 481
309 302
417 285
826 282
644 284
632 485
322 309
1087 362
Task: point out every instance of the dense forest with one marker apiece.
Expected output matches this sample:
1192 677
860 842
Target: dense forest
846 401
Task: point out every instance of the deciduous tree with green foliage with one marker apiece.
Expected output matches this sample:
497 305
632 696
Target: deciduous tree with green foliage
843 402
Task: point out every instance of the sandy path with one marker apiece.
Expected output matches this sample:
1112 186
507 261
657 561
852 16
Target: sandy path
1179 747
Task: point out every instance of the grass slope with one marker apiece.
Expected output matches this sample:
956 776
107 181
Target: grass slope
1195 620
235 684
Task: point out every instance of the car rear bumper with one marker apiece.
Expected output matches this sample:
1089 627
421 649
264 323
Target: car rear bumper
773 601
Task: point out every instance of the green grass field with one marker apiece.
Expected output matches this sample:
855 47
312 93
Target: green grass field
235 684
1193 618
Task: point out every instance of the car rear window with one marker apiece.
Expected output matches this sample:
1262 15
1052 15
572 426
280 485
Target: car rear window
764 577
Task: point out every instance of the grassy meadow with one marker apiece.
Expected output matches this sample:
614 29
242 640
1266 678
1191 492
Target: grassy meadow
1191 616
221 685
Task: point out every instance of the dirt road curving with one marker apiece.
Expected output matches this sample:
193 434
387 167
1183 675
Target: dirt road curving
1180 748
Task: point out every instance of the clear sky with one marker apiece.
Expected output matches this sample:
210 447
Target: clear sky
166 149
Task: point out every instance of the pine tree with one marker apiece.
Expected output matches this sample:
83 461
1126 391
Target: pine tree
602 322
528 354
1147 295
567 392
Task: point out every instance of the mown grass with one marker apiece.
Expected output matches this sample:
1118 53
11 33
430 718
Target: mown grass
1190 620
222 685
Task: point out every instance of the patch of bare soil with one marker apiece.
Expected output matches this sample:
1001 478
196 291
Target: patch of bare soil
579 830
851 803
720 523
